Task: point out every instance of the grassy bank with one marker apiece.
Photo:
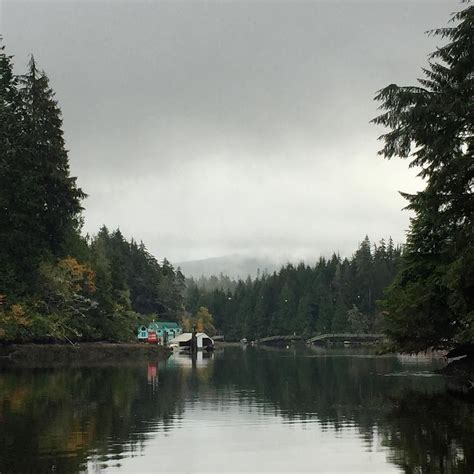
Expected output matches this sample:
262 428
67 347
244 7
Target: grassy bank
91 353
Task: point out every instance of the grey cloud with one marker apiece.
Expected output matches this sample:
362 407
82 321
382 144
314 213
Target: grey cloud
207 128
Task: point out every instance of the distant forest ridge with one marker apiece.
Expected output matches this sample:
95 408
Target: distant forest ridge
225 271
240 266
334 295
234 266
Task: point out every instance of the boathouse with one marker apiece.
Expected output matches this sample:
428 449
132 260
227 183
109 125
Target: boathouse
203 341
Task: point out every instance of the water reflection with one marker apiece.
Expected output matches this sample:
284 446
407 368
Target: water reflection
251 410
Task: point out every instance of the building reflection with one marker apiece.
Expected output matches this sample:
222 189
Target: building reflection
57 420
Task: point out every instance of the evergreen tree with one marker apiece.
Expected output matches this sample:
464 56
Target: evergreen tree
58 284
304 315
54 196
40 203
364 275
303 300
261 311
340 321
13 255
432 301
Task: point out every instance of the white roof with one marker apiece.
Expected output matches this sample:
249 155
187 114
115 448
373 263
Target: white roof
187 336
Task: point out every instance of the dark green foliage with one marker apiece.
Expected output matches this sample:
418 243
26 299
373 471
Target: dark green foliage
432 301
54 283
135 277
302 299
10 120
39 201
56 198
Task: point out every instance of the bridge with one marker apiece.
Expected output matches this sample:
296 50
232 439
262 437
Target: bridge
275 340
343 337
321 339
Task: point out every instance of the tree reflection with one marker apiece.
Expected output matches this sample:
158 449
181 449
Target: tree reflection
426 428
52 420
430 433
59 420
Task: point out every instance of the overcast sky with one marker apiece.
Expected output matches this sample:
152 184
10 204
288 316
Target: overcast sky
213 128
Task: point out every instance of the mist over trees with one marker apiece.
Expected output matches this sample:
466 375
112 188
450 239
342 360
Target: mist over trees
334 295
59 285
56 284
431 301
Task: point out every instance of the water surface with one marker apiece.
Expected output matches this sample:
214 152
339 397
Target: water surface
253 410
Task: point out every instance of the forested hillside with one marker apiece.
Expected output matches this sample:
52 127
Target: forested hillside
336 295
56 284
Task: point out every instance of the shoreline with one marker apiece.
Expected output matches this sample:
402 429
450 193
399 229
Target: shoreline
460 372
84 354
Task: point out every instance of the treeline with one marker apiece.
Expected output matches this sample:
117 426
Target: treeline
335 295
54 283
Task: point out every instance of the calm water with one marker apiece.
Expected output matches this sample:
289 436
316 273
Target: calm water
252 410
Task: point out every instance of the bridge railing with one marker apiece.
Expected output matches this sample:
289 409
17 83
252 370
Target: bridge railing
291 337
322 337
345 336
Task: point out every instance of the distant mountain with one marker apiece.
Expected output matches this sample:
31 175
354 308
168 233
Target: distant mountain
234 266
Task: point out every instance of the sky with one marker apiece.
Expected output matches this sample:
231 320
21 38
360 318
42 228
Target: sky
231 127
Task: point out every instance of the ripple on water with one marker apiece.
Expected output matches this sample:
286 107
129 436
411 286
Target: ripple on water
407 373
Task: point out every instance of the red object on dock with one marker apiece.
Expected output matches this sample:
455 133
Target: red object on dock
152 339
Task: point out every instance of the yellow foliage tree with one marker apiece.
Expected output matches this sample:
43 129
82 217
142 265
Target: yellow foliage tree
13 321
204 321
65 297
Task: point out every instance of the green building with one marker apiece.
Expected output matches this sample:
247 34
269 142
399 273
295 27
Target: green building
163 329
